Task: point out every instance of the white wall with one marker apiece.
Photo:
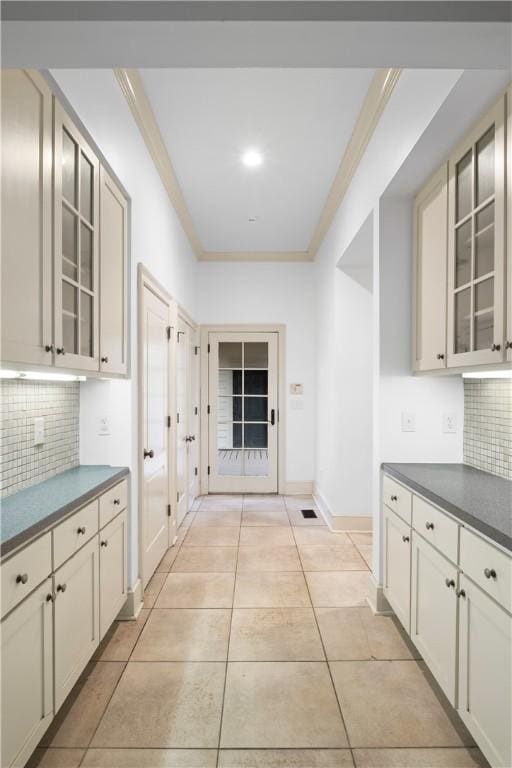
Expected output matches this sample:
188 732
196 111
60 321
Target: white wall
272 293
157 240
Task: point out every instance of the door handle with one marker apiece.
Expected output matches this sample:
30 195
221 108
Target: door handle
272 417
149 454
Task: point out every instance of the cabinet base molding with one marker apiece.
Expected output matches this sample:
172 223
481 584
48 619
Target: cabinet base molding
377 600
133 605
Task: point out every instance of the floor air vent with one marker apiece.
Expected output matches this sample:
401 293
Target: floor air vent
308 513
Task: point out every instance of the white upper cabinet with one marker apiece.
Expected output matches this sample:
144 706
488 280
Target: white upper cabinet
26 140
113 276
430 270
476 244
508 342
76 259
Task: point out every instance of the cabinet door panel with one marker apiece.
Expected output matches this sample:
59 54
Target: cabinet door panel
430 264
397 566
27 676
26 138
113 554
509 225
434 613
476 244
76 247
113 282
485 672
76 617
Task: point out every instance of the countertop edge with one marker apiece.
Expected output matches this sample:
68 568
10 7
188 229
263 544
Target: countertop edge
37 529
466 517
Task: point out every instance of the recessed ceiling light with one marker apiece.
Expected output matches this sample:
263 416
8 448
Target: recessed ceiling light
252 158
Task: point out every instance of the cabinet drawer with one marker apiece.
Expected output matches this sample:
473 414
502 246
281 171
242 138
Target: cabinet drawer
113 501
490 568
25 571
436 527
397 498
73 533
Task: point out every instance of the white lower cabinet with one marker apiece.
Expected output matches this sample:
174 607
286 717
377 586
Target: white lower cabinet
485 672
113 573
397 565
27 675
76 617
434 613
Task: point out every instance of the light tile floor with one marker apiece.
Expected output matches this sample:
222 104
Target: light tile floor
256 649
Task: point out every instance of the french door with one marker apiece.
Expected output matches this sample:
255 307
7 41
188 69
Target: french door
243 415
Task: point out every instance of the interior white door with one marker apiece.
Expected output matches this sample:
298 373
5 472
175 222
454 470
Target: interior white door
182 416
155 383
243 412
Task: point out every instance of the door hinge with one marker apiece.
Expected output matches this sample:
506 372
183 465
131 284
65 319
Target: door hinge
208 469
177 418
168 510
196 410
168 422
180 333
195 471
208 349
208 409
168 331
196 350
177 496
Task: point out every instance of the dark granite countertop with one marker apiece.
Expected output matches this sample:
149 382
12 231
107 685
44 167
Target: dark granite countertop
477 498
32 510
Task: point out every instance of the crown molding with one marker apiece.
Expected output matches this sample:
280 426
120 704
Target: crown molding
255 256
132 87
377 97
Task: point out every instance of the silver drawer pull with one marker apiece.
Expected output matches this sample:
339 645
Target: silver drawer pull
490 573
22 578
429 526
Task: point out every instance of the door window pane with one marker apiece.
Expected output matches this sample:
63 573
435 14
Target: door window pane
464 202
485 166
86 330
462 321
256 462
256 382
230 354
484 241
484 295
69 318
256 409
230 382
484 330
86 194
255 354
69 297
85 256
463 254
255 436
229 409
69 244
69 161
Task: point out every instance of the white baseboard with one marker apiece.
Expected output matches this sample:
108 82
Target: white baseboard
297 488
133 605
377 600
341 523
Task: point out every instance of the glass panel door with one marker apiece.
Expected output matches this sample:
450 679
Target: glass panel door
243 376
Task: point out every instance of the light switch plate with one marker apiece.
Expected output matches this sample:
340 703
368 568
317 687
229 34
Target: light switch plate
408 422
449 423
39 430
296 389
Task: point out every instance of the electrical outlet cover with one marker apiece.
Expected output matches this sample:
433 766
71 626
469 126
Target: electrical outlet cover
408 422
449 423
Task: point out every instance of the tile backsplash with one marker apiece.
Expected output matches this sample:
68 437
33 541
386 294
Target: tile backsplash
22 462
488 425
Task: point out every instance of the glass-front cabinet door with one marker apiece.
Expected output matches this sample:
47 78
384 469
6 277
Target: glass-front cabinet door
76 190
476 243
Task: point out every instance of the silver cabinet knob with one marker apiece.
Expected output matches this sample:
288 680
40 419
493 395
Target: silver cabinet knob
117 502
460 593
61 587
22 578
104 543
81 530
449 583
394 498
405 539
490 573
429 526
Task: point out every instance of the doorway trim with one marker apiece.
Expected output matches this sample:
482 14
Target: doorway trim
280 329
146 280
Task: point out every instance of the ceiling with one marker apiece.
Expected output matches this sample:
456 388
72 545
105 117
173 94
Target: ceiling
301 121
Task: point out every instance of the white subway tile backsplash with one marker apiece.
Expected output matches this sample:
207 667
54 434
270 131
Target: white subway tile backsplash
23 463
488 425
